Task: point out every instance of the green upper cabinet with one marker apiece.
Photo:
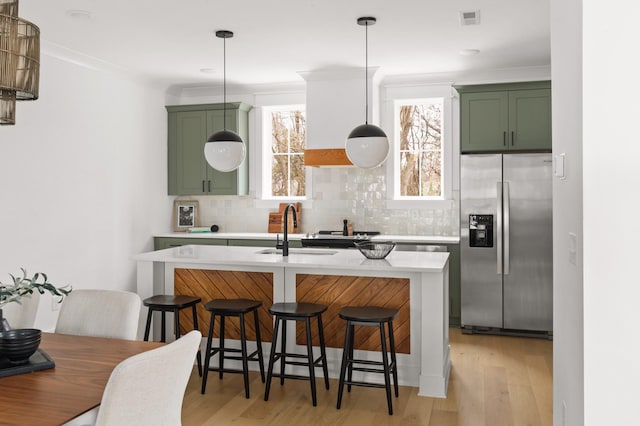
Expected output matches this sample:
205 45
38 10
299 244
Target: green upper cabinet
530 119
189 127
485 119
505 117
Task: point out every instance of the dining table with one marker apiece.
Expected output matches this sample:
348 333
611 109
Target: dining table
73 387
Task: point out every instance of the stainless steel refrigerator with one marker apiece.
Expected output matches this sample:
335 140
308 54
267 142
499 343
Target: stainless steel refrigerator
506 243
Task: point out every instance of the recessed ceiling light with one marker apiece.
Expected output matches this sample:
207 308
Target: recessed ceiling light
469 52
207 70
79 14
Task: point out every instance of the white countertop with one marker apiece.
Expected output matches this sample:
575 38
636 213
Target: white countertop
298 258
406 239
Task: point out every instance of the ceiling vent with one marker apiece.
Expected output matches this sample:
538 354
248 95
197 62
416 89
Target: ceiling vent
470 17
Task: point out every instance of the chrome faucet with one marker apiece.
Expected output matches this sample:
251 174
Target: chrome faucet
285 240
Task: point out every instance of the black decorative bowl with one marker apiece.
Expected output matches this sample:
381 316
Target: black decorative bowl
19 344
375 249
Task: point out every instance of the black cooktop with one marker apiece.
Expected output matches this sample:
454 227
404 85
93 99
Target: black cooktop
335 239
355 233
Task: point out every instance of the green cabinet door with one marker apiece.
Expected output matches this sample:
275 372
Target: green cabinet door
160 243
505 117
189 128
530 119
188 139
484 121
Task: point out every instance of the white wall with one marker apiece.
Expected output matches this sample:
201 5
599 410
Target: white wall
594 71
566 77
83 180
611 191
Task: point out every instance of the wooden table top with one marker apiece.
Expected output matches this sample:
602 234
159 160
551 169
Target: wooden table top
74 386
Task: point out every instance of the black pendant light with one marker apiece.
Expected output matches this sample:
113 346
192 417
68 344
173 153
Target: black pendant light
367 145
224 150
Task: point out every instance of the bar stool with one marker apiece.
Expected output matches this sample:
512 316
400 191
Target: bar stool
235 308
368 316
297 312
172 303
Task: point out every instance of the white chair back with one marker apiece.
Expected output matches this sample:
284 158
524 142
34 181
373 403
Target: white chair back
23 314
148 388
100 313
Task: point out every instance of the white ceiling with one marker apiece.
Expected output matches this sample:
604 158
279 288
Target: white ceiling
170 41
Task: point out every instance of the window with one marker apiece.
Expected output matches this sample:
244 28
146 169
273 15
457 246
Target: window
285 159
419 133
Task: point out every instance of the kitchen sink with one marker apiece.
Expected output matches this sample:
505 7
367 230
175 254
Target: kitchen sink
298 251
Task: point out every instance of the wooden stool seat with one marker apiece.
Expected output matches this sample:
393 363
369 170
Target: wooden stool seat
232 306
368 314
235 308
375 316
297 312
172 303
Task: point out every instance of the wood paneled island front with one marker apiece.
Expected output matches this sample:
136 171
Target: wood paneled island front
415 283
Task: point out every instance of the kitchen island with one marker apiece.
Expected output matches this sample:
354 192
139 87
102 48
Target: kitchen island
416 283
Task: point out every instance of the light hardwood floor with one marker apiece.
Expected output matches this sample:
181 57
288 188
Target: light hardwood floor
495 380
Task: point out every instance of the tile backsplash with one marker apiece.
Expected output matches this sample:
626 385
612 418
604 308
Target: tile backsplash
338 193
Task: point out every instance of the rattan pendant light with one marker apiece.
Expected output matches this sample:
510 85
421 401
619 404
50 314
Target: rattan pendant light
224 150
367 145
19 60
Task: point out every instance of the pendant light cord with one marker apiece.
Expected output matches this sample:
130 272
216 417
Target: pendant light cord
366 72
224 83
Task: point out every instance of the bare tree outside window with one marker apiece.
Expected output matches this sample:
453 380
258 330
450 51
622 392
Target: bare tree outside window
288 141
421 149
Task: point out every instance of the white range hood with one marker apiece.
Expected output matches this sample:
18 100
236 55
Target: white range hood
335 106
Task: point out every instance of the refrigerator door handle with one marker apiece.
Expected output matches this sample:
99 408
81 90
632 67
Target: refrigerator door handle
499 228
505 225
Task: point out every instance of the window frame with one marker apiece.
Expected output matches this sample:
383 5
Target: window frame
398 104
266 157
407 94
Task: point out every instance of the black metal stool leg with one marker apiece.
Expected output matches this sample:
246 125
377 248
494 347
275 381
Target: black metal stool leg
345 361
259 344
283 349
221 347
176 322
274 342
163 327
385 366
245 363
195 327
394 364
350 365
148 326
312 375
323 352
207 354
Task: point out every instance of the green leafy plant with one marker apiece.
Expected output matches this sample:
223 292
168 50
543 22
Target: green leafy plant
24 286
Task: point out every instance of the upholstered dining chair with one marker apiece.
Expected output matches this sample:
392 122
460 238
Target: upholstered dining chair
148 388
100 313
23 314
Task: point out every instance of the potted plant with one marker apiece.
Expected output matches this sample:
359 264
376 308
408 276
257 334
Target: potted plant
23 287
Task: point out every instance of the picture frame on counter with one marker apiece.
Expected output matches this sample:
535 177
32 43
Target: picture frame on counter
185 215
